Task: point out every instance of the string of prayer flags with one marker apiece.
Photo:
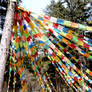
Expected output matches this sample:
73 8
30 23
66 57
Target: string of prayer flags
59 41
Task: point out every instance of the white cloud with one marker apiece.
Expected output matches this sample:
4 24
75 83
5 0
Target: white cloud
36 6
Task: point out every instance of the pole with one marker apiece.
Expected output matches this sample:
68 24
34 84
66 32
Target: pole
5 40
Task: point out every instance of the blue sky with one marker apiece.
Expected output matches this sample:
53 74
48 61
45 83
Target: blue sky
36 6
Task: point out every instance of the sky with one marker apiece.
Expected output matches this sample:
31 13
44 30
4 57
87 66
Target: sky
36 6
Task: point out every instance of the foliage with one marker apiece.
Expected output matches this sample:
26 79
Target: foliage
73 10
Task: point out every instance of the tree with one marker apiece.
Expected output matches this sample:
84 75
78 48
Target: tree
89 21
5 40
72 10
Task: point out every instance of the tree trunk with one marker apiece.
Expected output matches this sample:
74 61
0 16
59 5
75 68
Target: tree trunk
5 40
